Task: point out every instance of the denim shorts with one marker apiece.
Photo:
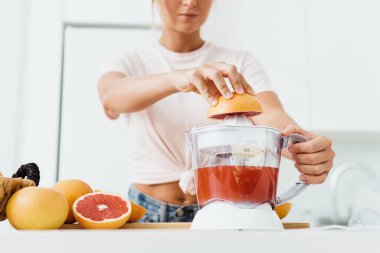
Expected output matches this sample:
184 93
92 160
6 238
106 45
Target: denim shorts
158 211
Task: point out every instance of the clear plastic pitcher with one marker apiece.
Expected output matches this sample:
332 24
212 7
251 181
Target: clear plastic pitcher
239 164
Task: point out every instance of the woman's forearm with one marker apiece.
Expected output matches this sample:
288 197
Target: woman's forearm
274 114
121 94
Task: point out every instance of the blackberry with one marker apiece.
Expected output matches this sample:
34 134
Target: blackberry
30 171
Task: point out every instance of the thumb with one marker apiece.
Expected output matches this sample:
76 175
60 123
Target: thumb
293 129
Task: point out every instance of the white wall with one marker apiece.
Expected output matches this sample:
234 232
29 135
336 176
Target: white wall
92 146
344 60
30 76
12 55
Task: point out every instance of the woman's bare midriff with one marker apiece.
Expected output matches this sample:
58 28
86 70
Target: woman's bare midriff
167 192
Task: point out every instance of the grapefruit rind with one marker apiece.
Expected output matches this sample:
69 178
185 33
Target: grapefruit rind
137 212
239 103
283 210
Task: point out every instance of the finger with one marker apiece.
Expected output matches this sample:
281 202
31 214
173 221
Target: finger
112 114
217 77
200 84
230 71
313 158
246 86
196 91
314 179
293 129
317 169
212 89
317 144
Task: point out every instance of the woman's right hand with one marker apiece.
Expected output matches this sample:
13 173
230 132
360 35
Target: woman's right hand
208 80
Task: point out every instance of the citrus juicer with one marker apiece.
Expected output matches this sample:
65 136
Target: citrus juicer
236 167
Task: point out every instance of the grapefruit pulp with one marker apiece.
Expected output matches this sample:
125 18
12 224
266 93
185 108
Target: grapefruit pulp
137 211
101 210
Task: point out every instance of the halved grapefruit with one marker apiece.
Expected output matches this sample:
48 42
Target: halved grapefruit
283 209
246 104
102 210
137 212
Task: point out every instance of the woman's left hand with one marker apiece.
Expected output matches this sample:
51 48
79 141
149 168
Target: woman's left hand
314 158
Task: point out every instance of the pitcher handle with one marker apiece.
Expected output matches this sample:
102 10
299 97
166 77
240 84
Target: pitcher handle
299 186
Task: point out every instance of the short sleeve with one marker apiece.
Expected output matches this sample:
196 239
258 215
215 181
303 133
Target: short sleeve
255 74
114 63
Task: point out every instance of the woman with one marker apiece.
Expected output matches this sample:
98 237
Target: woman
158 88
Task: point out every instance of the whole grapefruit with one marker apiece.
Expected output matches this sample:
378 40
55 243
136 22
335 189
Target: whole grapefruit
72 189
37 208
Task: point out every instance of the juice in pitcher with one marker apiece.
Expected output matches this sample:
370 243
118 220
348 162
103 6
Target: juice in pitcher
245 186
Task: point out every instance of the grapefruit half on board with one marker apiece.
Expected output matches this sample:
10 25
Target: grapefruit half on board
137 212
102 210
283 209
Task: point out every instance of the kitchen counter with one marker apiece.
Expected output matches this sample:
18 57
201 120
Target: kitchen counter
183 240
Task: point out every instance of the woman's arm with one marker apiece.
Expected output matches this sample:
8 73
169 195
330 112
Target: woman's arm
275 115
314 158
121 94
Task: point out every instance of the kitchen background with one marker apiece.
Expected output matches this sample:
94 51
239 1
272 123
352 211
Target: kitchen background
323 57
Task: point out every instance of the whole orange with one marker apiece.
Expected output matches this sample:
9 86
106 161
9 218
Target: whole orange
37 208
72 189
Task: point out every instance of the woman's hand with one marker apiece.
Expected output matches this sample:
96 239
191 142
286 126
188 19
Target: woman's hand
208 80
314 159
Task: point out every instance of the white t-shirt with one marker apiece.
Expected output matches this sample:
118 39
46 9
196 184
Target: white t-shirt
158 152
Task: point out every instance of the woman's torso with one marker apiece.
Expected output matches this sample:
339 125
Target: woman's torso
158 154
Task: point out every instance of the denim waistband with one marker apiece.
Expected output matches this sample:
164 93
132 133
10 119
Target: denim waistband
159 211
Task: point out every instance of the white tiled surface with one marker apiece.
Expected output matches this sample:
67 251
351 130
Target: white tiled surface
5 226
187 241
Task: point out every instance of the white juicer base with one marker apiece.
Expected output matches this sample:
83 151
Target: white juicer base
222 215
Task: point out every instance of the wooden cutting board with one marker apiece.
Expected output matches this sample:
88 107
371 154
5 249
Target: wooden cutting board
179 225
